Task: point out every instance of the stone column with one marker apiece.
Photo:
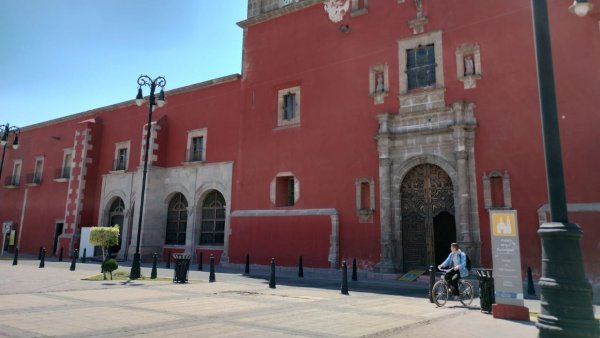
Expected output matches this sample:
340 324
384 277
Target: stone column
463 197
385 187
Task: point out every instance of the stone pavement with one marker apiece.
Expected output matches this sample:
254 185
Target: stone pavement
55 302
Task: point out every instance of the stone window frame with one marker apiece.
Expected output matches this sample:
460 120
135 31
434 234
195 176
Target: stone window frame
365 215
203 132
356 10
284 3
119 146
295 121
463 51
17 169
179 221
412 42
273 189
38 159
425 98
487 189
378 97
214 232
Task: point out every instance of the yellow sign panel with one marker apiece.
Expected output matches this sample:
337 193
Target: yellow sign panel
503 224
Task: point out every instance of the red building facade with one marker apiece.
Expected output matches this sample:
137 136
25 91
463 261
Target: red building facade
382 132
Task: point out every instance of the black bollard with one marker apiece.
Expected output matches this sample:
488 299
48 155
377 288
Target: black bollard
211 277
300 268
431 282
344 278
354 276
42 261
200 262
83 258
168 266
530 288
60 255
247 269
40 254
154 261
16 258
272 277
74 255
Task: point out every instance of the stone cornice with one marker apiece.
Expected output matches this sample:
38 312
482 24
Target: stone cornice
278 12
95 111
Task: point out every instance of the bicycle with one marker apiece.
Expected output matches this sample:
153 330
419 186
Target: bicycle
442 289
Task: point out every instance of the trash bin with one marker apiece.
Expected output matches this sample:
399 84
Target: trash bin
486 289
182 266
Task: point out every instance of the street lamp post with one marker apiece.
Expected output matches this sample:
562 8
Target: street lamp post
566 294
6 130
144 80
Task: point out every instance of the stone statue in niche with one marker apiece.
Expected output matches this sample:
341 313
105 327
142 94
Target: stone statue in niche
469 66
379 86
419 7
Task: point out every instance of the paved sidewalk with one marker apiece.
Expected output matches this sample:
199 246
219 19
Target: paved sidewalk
55 302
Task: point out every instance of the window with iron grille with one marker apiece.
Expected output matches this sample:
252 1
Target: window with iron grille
196 149
177 220
37 174
420 66
285 191
66 168
212 230
121 159
289 108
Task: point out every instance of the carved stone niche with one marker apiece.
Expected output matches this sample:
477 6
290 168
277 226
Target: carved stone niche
468 64
379 83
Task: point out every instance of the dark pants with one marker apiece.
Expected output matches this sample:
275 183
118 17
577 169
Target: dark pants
453 276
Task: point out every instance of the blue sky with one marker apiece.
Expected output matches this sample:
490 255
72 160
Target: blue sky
62 57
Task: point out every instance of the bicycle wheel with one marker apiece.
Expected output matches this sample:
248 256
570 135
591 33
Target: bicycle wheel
439 293
466 292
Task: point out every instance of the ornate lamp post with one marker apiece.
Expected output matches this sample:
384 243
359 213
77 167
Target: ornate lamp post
144 80
566 294
6 130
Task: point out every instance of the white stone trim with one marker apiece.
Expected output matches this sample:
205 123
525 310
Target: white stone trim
122 145
273 187
365 215
487 189
16 172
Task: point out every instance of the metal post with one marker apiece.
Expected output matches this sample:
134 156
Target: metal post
2 161
300 268
60 255
431 282
247 269
16 258
144 80
530 287
154 262
354 275
83 258
74 255
43 258
168 265
200 261
272 283
344 279
211 276
563 283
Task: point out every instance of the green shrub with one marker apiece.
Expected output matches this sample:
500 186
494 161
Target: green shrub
109 266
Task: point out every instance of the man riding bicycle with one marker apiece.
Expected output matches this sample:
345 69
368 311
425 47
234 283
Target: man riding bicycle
457 261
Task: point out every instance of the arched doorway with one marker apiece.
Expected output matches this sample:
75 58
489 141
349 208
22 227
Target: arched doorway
116 215
427 208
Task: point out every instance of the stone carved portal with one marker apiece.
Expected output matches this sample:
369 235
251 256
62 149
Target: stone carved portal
426 192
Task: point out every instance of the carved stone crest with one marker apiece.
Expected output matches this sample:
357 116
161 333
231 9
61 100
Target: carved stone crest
336 9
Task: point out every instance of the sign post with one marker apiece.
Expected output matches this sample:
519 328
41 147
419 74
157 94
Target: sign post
506 257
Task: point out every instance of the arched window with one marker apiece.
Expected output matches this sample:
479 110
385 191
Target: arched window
176 220
212 230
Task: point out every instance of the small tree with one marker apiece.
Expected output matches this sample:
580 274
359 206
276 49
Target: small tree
104 237
109 266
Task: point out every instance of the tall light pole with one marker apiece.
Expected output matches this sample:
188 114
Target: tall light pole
144 80
6 130
566 294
